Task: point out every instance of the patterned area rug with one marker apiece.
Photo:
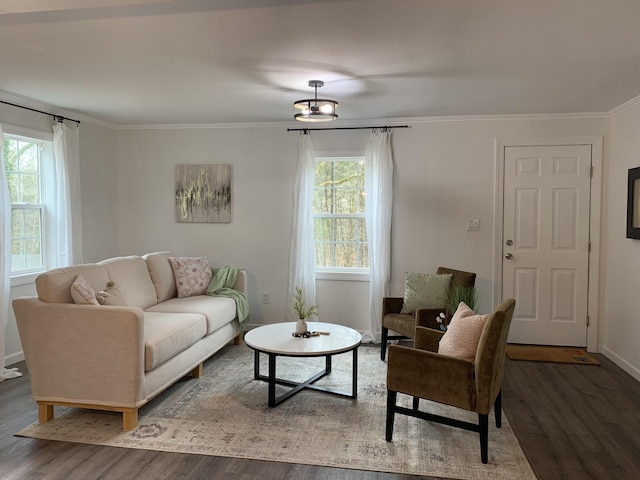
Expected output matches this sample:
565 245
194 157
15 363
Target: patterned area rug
225 413
532 353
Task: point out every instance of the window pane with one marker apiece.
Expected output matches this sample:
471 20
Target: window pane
33 249
18 261
11 155
345 255
30 188
12 183
324 254
32 223
28 157
17 223
323 200
323 229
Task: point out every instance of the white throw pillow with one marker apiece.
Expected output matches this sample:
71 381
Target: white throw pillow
425 290
192 275
463 333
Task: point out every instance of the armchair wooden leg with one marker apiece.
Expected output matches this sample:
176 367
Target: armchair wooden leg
383 343
483 424
391 410
497 407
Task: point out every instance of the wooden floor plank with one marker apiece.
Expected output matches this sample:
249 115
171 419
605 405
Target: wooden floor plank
572 421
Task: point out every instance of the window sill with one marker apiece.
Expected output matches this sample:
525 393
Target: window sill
349 275
25 279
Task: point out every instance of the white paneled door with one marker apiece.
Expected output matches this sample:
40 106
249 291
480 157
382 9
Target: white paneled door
546 242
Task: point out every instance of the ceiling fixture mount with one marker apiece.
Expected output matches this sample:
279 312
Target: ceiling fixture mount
316 109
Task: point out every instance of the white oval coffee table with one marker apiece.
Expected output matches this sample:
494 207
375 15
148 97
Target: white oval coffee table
276 340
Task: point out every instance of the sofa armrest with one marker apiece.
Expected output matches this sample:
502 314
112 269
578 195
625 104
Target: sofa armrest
84 354
241 281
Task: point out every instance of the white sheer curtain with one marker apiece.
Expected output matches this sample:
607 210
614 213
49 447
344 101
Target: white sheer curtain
5 262
66 146
378 209
302 259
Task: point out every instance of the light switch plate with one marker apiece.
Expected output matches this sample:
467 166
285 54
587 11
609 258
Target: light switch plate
473 224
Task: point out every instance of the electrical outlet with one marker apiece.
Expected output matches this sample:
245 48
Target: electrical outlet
473 225
265 297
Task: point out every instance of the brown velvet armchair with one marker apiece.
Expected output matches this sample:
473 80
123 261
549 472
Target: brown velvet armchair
405 324
473 385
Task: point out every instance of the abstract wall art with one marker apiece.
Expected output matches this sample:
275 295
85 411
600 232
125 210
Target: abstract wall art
203 193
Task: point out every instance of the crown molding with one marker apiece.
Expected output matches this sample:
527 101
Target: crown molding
51 109
55 110
625 106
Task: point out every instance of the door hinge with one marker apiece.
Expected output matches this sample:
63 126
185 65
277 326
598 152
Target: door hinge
589 246
591 171
588 320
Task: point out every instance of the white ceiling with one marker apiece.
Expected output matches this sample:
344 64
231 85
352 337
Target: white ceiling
131 62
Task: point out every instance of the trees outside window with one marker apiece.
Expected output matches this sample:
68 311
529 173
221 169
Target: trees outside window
24 164
338 214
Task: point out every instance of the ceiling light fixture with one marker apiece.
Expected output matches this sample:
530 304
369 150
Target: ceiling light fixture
316 109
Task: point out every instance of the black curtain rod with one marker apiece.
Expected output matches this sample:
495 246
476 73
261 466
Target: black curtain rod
345 128
58 118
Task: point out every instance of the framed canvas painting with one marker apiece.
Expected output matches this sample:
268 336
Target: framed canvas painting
203 193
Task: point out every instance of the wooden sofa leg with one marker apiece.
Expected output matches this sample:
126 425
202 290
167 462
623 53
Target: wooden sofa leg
45 412
198 371
237 340
129 419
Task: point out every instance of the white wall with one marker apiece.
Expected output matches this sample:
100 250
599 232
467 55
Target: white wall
445 174
97 161
622 258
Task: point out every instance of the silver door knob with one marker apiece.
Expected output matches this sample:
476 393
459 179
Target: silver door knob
508 256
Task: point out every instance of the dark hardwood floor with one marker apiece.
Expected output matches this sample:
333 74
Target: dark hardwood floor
572 421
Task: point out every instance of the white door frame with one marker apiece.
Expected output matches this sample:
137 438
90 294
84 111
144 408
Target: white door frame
596 143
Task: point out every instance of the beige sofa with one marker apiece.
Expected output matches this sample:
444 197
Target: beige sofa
114 357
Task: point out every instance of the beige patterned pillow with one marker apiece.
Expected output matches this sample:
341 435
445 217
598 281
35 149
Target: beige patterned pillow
425 290
192 274
82 292
463 333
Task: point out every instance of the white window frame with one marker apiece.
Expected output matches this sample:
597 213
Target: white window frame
341 273
47 173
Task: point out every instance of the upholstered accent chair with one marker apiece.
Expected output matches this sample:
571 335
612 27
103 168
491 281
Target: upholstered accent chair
472 384
405 324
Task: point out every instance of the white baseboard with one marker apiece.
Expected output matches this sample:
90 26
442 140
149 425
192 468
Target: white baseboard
622 363
14 358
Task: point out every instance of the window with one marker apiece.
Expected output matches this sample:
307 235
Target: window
338 215
26 160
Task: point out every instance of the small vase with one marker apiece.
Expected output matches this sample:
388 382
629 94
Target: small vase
301 326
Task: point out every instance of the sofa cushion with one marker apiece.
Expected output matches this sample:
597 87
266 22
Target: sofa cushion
192 275
463 333
425 290
218 310
161 274
54 286
82 292
132 278
167 334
